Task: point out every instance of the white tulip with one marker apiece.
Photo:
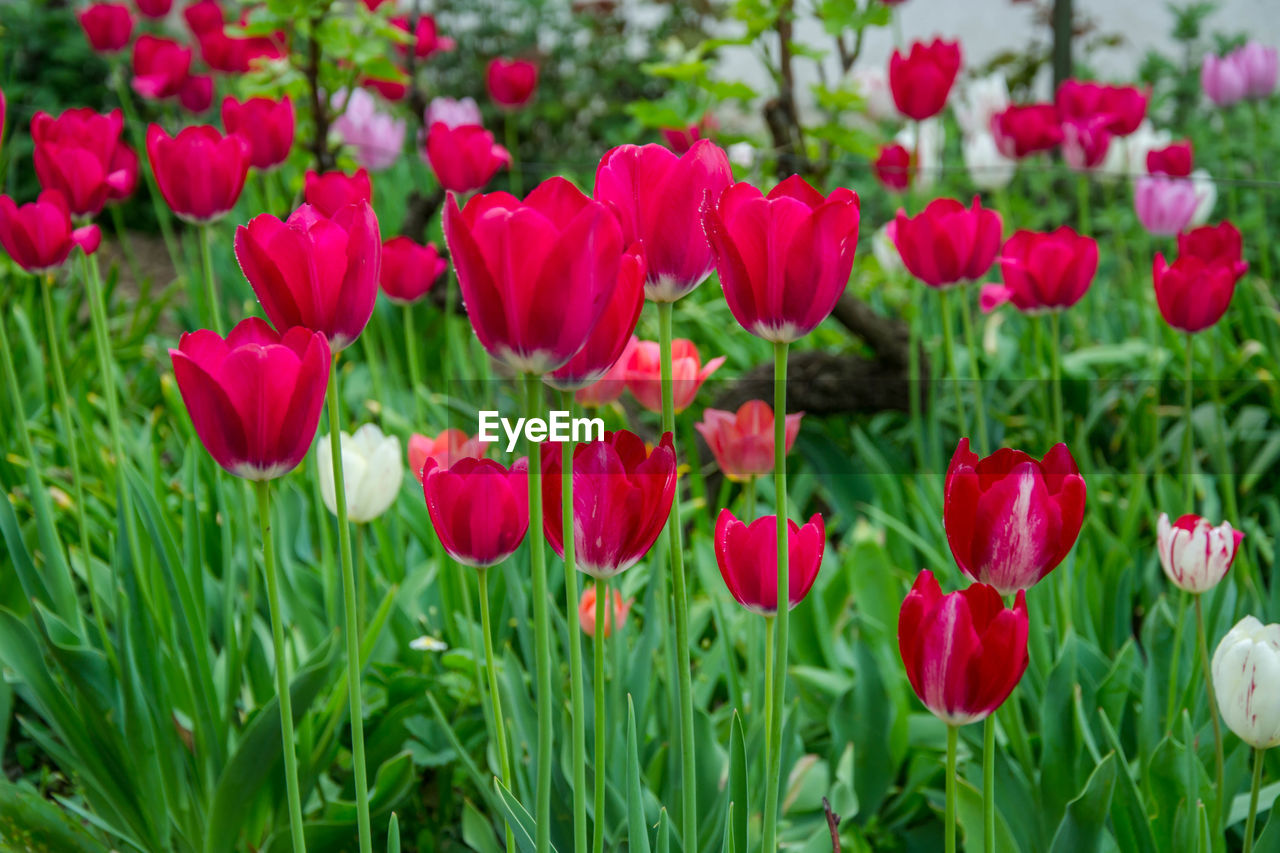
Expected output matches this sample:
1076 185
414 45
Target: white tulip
1142 142
1116 164
873 85
1246 677
928 155
1206 197
978 101
885 251
371 471
1195 554
987 167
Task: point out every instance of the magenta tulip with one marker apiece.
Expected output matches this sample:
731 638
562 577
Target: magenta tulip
464 158
332 191
511 82
409 270
479 508
39 236
160 66
1193 293
748 558
1213 244
922 79
948 243
1023 130
1043 271
612 334
107 26
200 172
267 126
78 154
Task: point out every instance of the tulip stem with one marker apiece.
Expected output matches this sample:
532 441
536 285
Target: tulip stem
161 210
1203 642
913 385
768 681
1082 203
210 283
282 669
411 355
989 785
1252 822
1055 373
352 616
602 609
948 344
749 500
1187 453
495 697
541 623
779 684
975 372
576 690
689 776
1174 664
68 425
952 736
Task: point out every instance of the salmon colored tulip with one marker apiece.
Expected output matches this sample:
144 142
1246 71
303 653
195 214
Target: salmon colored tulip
446 448
742 441
687 373
615 616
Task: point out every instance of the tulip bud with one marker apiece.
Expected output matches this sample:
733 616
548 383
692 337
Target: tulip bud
1246 680
748 558
613 616
922 79
511 82
947 243
1195 555
371 472
479 508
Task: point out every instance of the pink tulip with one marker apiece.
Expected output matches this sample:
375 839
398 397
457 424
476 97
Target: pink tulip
376 137
511 82
464 158
451 112
267 125
964 652
409 270
1224 79
1011 519
1194 554
658 198
445 449
1043 271
1192 293
107 26
948 243
687 373
314 271
39 236
79 154
255 397
922 79
160 66
748 558
742 441
200 172
533 314
479 508
612 334
332 191
622 494
1260 67
609 387
785 258
1164 205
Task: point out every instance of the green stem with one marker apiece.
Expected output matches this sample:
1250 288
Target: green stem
952 736
975 372
575 660
352 616
411 353
509 132
773 776
989 785
77 478
1082 203
1055 368
541 622
1260 169
210 283
602 609
369 349
913 385
675 535
1203 642
282 670
949 345
749 500
126 247
769 635
1175 663
1252 822
1187 454
162 212
495 697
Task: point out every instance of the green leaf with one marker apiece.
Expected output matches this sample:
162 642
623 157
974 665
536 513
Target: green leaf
637 826
1083 826
393 835
29 822
518 818
970 816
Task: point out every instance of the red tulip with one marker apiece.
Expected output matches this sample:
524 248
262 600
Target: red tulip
681 139
1122 108
785 258
622 494
427 41
332 191
464 158
922 80
964 652
1175 160
1021 131
1043 271
196 94
1085 142
204 16
445 449
687 373
78 153
124 162
160 66
658 198
266 125
409 270
748 559
948 243
154 8
1192 293
254 398
742 441
511 82
39 237
609 387
314 271
107 26
893 167
200 172
395 88
480 509
1213 244
1011 519
236 54
612 335
536 275
614 617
